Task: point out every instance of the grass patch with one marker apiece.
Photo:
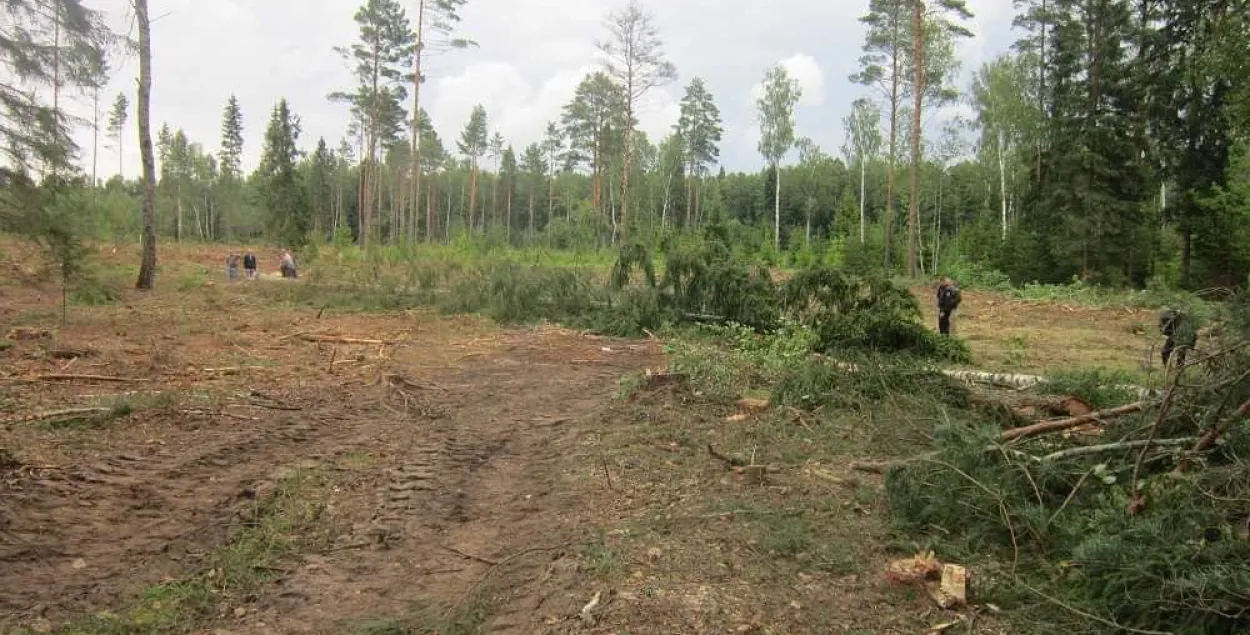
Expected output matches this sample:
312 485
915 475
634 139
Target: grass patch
1102 388
600 558
294 516
428 618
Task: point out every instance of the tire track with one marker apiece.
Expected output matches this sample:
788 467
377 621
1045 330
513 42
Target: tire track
83 536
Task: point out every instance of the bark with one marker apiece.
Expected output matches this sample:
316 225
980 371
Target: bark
913 203
415 186
890 176
472 192
147 266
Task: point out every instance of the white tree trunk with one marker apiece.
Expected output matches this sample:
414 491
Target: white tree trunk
1002 181
777 209
863 180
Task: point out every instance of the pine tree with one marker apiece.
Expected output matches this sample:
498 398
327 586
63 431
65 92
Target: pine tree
44 43
699 127
533 164
147 264
382 62
633 57
932 59
555 149
118 116
472 144
283 193
882 66
494 150
436 21
593 122
508 174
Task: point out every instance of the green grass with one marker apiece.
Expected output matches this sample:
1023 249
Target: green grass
429 618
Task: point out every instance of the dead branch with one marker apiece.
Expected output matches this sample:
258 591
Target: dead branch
1072 422
1112 447
1218 430
77 377
338 339
731 462
57 414
470 556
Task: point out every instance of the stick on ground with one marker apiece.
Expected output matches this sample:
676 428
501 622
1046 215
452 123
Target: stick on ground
1065 424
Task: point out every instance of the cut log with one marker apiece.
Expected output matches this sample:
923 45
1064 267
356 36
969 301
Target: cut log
1064 424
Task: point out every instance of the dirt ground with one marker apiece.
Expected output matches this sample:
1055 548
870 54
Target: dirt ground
470 478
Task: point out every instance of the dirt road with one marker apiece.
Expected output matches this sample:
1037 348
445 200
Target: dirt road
449 480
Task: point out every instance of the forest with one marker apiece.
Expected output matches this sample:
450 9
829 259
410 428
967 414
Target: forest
1108 146
594 381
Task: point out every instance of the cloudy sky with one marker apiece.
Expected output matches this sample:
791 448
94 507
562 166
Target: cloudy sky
532 54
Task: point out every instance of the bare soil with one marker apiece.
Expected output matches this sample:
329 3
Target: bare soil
469 465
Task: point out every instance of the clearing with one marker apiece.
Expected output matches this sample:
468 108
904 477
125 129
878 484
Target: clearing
207 459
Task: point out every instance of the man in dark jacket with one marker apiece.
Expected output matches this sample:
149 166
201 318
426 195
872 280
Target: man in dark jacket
249 265
948 298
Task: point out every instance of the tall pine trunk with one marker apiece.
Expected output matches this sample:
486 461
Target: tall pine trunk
415 185
147 266
913 202
472 193
890 172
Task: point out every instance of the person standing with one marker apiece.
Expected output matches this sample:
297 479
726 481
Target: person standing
1180 333
948 298
249 265
232 267
286 263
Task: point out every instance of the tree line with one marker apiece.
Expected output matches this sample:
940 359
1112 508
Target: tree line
1109 145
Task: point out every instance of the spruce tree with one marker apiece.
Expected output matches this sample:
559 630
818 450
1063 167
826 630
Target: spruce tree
282 190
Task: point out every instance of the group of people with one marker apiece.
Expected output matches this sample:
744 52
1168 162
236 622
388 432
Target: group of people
286 264
1173 324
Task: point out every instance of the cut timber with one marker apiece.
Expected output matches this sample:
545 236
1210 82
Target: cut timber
1064 424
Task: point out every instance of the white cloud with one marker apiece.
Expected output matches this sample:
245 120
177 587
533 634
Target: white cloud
806 71
530 58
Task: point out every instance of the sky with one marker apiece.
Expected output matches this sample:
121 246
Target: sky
531 55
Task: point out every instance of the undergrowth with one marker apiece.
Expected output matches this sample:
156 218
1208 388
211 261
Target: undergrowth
1110 537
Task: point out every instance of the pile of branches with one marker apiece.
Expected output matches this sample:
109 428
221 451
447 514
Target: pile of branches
705 283
1137 520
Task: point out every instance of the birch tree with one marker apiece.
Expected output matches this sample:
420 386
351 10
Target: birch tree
863 136
776 118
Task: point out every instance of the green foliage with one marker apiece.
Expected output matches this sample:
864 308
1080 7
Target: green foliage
1061 518
866 314
1101 388
826 383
